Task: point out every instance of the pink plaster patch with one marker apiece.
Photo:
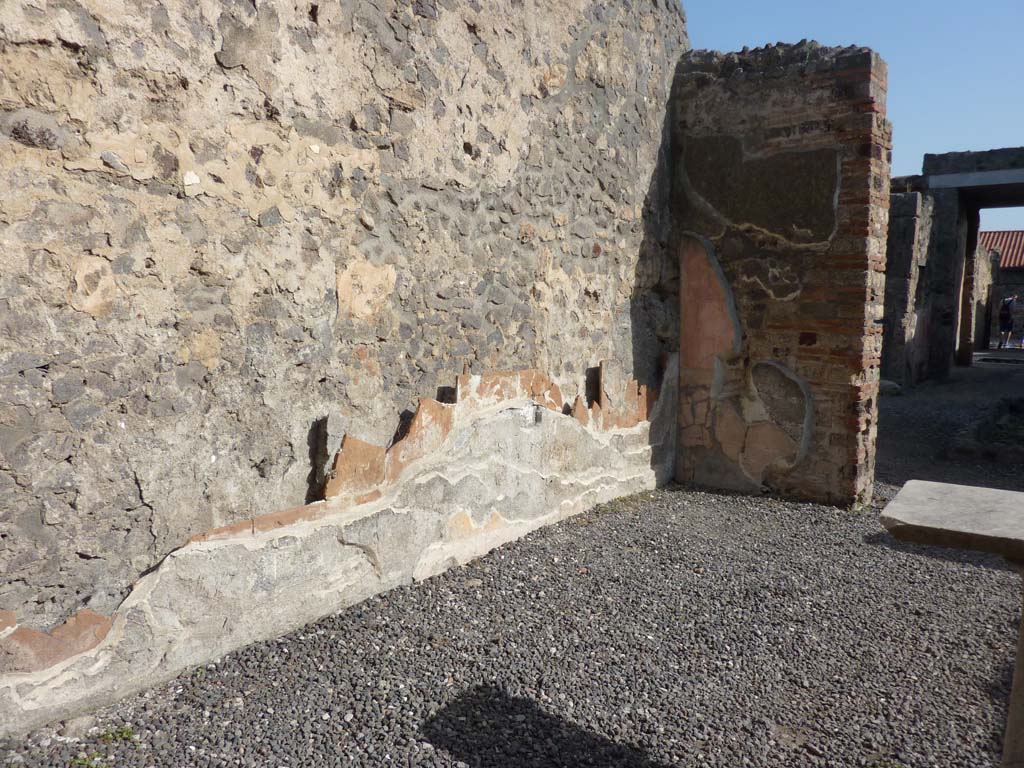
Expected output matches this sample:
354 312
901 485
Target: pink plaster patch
708 330
29 650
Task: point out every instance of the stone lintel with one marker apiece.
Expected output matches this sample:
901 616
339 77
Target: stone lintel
976 179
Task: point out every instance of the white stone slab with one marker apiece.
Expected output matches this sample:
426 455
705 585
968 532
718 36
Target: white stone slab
961 516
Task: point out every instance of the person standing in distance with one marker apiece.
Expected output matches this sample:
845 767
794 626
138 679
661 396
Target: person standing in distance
1006 307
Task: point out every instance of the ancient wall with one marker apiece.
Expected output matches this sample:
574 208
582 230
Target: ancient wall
907 302
954 163
951 300
934 310
231 233
947 262
784 189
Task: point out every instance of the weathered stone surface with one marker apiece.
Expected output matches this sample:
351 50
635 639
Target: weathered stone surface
230 222
754 190
767 446
908 301
730 431
946 515
707 311
744 423
580 412
1008 158
983 312
491 389
428 431
478 474
34 129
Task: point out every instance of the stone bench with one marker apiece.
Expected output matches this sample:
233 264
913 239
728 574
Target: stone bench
980 519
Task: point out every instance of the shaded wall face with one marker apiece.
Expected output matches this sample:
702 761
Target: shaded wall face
220 226
947 260
981 298
783 186
907 298
931 314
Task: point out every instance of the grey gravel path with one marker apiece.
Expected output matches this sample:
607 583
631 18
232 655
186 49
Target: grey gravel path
677 628
917 430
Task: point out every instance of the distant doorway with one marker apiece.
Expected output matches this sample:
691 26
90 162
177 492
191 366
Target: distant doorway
943 276
1004 326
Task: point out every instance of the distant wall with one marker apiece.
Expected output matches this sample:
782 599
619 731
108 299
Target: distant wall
934 311
784 191
230 236
947 264
953 305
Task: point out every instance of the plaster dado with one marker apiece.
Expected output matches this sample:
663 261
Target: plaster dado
506 458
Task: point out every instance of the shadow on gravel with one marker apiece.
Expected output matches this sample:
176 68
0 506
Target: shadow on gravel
487 728
999 690
963 557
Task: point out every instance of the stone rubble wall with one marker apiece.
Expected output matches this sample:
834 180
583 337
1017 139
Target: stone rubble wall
233 233
503 460
947 260
783 173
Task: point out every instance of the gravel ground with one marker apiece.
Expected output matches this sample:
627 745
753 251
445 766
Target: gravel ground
916 429
676 628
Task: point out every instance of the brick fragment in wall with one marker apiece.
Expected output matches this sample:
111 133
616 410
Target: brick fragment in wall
238 223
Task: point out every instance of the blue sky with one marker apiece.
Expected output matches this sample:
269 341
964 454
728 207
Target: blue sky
956 69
